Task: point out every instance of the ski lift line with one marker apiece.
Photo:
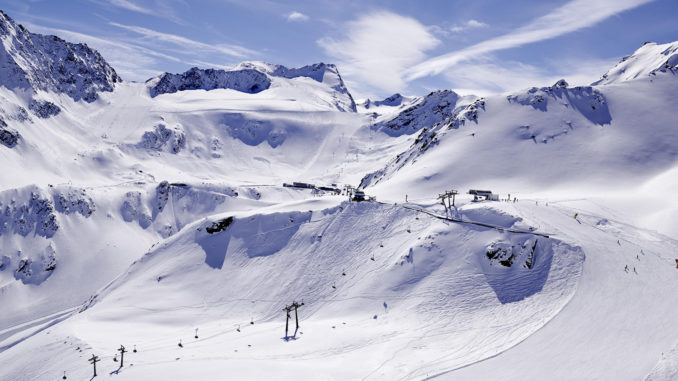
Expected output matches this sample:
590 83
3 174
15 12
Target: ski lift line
477 223
167 344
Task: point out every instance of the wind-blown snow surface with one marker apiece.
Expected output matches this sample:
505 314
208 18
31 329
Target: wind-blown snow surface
137 215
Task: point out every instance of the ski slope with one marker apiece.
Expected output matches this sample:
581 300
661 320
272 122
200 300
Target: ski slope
145 214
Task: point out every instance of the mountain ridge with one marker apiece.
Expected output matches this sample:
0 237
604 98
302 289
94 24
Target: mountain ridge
48 63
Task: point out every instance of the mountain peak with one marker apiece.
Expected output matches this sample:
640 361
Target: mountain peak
48 63
649 60
252 77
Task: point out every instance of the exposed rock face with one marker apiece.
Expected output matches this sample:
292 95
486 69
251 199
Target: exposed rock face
44 109
394 100
164 138
433 108
245 80
8 136
429 136
252 77
74 201
37 62
588 101
35 215
33 269
134 209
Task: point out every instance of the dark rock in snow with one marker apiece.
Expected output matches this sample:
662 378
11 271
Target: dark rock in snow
44 109
588 101
162 195
394 100
36 215
8 136
218 226
35 270
74 201
134 209
162 136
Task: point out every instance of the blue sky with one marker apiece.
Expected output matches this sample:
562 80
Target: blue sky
380 47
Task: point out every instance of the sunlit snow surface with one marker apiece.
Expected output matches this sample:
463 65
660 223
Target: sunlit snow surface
134 220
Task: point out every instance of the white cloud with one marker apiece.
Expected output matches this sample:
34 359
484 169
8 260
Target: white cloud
470 24
186 43
575 15
126 4
481 76
130 61
163 9
296 16
378 47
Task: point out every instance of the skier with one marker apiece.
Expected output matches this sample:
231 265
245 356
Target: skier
406 198
626 268
576 215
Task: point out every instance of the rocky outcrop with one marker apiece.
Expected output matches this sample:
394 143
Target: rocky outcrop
43 109
34 268
431 109
588 101
252 77
74 201
48 63
36 215
245 80
163 138
8 136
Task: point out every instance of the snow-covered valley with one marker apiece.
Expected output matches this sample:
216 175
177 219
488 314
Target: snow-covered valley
159 216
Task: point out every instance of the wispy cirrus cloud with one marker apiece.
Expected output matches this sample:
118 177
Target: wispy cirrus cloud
129 5
165 9
573 16
131 61
183 42
485 75
134 61
296 16
470 24
377 48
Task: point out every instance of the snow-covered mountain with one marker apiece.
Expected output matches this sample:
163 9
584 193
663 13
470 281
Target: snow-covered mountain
152 214
649 60
616 142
